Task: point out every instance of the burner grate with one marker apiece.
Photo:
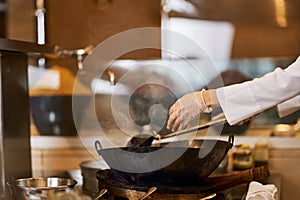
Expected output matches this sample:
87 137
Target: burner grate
119 189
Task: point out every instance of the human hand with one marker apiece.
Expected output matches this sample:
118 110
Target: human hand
244 121
185 109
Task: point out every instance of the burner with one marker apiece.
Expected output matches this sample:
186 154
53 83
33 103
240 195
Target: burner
119 189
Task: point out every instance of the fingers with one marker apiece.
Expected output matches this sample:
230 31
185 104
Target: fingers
172 116
244 121
180 124
177 124
175 117
183 111
185 124
177 120
240 123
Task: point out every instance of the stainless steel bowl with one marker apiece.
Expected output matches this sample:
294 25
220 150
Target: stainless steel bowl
29 188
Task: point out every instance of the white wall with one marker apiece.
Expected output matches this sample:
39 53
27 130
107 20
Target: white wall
214 37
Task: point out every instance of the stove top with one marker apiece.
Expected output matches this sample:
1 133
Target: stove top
118 189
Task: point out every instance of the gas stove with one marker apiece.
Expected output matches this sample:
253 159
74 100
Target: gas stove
121 190
116 188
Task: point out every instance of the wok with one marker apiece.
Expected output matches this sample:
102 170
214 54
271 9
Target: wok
174 163
53 114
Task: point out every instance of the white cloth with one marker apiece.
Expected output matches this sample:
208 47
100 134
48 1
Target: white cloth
257 191
241 101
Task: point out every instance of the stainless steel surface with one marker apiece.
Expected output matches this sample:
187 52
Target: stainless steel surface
15 130
40 14
16 162
43 183
37 188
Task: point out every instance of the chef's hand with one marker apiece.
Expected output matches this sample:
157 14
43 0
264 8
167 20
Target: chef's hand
188 108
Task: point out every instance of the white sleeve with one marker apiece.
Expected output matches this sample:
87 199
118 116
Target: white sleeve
289 106
241 101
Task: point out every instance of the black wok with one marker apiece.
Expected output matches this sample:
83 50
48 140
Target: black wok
174 163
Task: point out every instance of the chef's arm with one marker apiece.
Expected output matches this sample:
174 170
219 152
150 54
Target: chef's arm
283 109
211 100
289 106
241 101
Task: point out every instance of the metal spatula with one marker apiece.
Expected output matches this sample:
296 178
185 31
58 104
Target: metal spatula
146 140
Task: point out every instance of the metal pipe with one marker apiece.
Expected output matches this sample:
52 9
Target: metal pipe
40 14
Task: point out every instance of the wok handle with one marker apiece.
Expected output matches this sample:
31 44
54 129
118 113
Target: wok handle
221 182
230 141
98 147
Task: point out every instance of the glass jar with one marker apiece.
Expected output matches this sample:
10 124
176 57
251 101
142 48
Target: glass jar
242 157
261 153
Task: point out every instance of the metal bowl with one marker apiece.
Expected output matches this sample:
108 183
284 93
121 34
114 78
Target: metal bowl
29 188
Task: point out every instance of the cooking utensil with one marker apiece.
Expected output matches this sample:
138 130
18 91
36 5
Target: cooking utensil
146 140
190 164
29 188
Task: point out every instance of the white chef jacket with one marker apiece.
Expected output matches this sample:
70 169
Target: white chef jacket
280 87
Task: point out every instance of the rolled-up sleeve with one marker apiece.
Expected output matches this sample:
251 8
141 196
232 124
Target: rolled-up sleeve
241 101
